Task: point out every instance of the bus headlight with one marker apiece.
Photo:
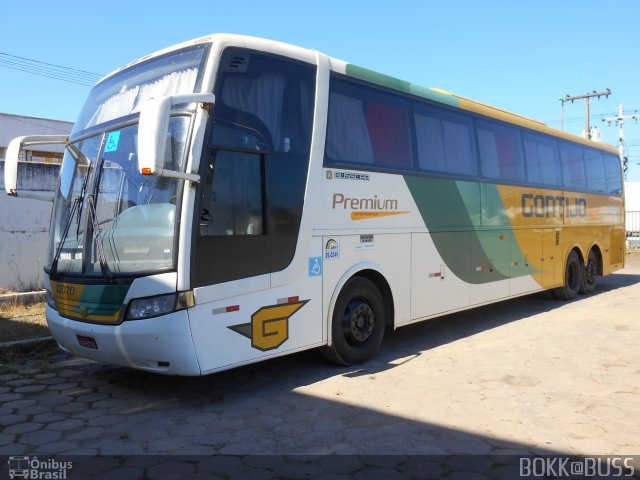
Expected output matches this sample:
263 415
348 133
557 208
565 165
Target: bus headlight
148 307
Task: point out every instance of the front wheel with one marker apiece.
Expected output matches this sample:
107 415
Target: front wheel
573 273
590 273
358 323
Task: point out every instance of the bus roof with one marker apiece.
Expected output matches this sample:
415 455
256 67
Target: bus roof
443 96
434 94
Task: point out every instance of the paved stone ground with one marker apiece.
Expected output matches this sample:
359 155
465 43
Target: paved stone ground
530 376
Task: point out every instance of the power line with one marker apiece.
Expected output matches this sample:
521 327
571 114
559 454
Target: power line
40 69
53 65
41 74
49 70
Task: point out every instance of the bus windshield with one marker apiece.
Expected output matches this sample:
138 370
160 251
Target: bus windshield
123 94
108 218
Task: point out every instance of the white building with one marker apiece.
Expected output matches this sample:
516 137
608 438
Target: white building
24 223
632 206
632 196
12 126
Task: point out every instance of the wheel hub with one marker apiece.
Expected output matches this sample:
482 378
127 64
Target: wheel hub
358 321
591 271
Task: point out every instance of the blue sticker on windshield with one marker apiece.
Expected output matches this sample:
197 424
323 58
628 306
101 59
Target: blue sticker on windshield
112 142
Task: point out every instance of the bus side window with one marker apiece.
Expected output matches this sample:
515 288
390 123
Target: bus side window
614 175
346 114
543 164
444 141
596 180
387 124
254 169
573 173
500 151
367 126
235 203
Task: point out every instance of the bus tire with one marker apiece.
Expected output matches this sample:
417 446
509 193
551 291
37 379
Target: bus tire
358 323
590 273
573 273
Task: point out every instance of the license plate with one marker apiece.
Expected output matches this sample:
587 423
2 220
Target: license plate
88 342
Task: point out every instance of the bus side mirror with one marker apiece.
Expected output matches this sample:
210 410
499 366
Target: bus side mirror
11 163
152 129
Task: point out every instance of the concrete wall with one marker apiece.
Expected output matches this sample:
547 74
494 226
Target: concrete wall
12 126
24 228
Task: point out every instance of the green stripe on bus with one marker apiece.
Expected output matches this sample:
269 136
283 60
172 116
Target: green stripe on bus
445 214
494 215
103 299
397 84
453 211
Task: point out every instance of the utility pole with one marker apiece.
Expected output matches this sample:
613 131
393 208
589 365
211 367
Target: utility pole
620 121
586 97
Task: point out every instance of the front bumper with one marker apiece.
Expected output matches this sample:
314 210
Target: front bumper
161 344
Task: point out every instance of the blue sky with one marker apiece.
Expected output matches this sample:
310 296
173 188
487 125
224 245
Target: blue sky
518 55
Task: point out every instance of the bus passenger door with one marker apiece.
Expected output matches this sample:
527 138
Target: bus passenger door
247 213
232 242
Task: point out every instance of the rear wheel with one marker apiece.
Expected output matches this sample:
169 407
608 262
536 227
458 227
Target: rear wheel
573 273
590 273
358 323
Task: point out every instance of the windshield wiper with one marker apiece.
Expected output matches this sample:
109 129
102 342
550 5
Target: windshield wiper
77 154
65 232
97 231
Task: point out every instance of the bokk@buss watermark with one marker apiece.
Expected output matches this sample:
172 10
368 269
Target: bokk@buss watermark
589 467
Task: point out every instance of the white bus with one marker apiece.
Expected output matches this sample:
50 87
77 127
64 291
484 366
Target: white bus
233 199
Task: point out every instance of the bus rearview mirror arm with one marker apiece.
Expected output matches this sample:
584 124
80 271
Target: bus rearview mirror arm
152 140
11 162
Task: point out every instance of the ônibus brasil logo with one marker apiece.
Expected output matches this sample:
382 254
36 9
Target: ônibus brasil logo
33 468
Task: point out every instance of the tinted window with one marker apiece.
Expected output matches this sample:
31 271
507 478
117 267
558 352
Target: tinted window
367 126
444 141
594 165
614 175
543 164
235 205
500 151
254 171
271 96
573 175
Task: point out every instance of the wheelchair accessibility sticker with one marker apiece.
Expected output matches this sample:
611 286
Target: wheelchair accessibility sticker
111 144
315 266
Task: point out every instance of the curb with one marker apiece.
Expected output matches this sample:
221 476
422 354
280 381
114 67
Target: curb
24 342
23 298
